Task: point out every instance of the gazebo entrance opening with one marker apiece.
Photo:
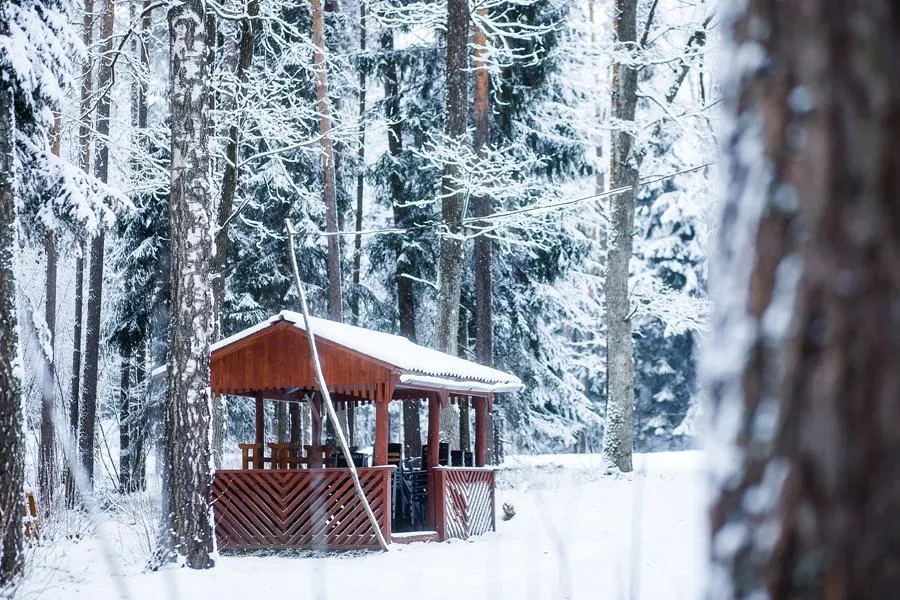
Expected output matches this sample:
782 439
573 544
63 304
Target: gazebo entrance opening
285 496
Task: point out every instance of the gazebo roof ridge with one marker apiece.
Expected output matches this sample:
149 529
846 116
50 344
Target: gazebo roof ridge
417 366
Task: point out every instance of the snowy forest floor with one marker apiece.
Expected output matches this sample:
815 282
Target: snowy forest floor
576 534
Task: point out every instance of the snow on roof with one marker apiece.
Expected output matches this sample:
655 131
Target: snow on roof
419 365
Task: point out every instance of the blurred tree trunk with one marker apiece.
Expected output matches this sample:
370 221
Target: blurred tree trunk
188 402
88 413
453 206
12 435
807 330
618 432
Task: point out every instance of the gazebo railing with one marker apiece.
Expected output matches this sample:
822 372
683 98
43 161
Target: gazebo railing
299 508
463 502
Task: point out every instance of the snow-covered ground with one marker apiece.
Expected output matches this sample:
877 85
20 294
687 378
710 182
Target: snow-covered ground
576 534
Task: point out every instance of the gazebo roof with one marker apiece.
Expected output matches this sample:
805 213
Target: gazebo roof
416 366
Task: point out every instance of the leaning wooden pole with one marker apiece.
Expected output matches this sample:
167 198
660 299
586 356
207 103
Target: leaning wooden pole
326 396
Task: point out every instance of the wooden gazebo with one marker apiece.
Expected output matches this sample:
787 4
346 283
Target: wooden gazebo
297 498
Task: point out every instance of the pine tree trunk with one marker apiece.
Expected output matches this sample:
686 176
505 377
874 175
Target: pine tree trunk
618 432
95 285
132 418
84 130
808 282
406 300
296 424
360 189
282 425
12 435
484 318
140 425
360 183
226 207
75 385
125 423
454 201
47 459
323 104
188 401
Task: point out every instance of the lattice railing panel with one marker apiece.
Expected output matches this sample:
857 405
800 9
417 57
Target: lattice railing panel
314 508
468 502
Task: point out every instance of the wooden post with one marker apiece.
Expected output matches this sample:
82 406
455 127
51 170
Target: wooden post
260 433
431 460
381 431
481 431
434 429
388 501
315 443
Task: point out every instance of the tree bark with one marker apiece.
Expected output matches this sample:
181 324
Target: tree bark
125 421
453 205
323 104
188 401
808 285
132 427
282 425
406 300
95 284
360 189
12 435
233 154
47 459
360 184
484 318
296 424
84 131
76 368
618 432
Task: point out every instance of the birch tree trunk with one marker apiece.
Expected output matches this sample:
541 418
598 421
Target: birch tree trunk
806 334
453 206
188 398
12 435
618 432
323 104
88 413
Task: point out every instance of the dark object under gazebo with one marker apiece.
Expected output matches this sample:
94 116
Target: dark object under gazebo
298 498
